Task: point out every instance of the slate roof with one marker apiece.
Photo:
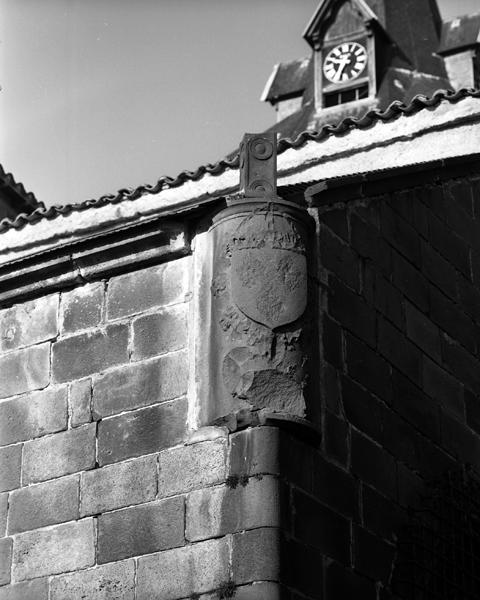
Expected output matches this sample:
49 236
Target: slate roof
395 109
413 28
462 32
396 82
288 80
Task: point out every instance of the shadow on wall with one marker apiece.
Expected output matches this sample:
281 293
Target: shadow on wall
439 551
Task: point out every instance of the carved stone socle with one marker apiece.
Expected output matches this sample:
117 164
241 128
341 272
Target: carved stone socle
256 307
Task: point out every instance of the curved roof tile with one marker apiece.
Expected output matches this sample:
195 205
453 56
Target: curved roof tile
395 109
23 198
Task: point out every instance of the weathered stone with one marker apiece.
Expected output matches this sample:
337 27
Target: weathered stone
141 290
141 529
142 432
209 433
256 556
25 370
34 415
37 589
258 165
255 451
43 504
141 384
119 485
5 560
220 510
182 572
259 590
266 590
66 547
253 279
190 467
82 307
80 397
10 467
161 332
81 355
59 454
3 513
29 323
109 582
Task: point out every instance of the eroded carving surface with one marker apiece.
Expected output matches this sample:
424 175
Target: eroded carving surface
259 290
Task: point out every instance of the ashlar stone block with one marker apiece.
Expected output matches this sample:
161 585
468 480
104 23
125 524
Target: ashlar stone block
82 307
25 370
142 432
29 323
216 511
109 582
87 353
155 286
33 415
5 560
10 467
141 384
3 513
141 529
122 484
59 454
80 399
190 467
183 572
37 589
66 547
158 333
43 504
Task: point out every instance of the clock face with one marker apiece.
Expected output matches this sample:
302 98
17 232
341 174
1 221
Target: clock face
345 62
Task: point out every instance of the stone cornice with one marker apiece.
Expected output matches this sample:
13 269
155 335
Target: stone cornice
92 257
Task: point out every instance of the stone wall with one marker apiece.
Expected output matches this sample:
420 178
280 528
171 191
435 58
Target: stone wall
110 489
400 314
105 491
93 387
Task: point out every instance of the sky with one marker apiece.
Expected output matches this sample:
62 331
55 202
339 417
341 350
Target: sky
99 95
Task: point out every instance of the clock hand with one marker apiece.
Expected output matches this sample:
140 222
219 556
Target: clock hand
336 60
343 63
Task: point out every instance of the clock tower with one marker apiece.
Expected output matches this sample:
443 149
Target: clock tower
364 55
342 36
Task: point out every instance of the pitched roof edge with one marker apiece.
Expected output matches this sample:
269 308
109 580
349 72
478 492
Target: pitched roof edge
268 85
395 110
18 188
312 24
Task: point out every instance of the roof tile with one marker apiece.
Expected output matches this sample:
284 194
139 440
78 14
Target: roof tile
395 109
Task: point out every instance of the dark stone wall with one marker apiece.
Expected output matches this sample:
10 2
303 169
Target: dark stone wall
399 280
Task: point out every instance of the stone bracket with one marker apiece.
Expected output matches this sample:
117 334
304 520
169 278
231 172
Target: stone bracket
258 165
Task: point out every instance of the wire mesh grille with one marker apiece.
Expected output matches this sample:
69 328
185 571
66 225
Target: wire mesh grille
439 553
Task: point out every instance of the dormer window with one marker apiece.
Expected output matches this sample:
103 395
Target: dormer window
460 49
368 53
345 96
344 53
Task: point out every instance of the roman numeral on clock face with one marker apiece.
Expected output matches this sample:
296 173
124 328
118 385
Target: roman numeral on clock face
345 62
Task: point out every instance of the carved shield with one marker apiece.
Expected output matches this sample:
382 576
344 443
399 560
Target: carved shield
269 285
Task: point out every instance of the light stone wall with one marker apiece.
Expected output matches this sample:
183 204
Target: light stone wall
105 491
460 69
